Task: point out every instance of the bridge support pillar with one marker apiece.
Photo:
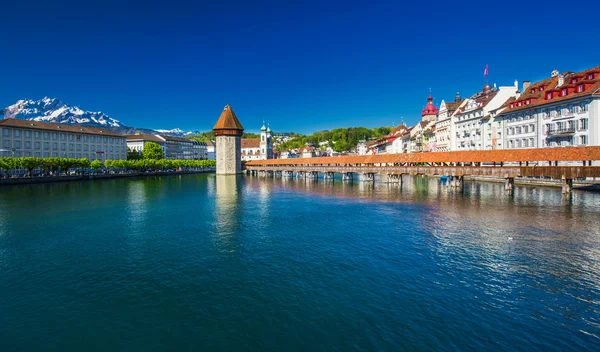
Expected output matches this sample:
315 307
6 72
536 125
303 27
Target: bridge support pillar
567 185
509 184
314 175
369 177
328 175
458 182
347 176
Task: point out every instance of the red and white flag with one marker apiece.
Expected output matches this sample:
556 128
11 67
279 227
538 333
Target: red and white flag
485 73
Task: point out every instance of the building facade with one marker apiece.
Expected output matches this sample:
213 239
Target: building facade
563 110
443 141
136 142
469 119
211 150
44 140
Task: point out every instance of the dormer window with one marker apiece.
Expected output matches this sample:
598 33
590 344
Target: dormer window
548 95
580 88
528 101
574 80
564 92
519 104
591 76
512 105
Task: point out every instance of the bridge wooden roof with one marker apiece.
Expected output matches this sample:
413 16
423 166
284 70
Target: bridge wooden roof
513 155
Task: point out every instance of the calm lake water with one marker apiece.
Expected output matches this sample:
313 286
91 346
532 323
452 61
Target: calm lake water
201 262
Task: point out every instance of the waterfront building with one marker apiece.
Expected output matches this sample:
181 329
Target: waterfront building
562 110
443 140
469 118
211 150
251 149
44 140
179 148
405 140
258 148
137 141
228 132
388 144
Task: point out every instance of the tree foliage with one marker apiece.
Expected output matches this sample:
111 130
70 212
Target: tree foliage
152 151
96 165
48 164
132 154
210 136
340 139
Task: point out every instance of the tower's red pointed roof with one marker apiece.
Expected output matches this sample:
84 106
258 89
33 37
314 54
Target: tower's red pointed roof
430 109
228 120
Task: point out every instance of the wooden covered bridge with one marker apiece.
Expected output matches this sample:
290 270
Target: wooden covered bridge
564 163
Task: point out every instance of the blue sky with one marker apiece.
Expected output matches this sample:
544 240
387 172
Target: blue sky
302 65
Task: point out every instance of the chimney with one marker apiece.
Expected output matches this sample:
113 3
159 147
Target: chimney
526 85
561 79
554 73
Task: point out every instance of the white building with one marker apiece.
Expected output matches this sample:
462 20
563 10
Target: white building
563 110
137 141
251 149
211 150
44 140
469 119
443 140
258 148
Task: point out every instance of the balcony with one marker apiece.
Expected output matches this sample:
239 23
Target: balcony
557 132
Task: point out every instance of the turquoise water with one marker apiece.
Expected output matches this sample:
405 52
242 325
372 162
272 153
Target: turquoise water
200 262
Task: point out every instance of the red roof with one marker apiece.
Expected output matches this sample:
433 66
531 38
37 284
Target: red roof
430 109
535 95
228 120
512 155
251 143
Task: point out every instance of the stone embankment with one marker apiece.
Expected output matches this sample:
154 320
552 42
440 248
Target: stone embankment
99 176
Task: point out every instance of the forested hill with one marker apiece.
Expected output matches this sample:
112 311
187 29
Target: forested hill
210 136
341 139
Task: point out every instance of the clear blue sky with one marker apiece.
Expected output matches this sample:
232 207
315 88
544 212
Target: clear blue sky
301 65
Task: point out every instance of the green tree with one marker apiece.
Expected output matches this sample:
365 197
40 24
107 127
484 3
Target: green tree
96 165
132 154
152 151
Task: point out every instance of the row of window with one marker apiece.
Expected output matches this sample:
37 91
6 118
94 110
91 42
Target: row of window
567 141
8 132
63 146
90 156
520 143
550 113
520 129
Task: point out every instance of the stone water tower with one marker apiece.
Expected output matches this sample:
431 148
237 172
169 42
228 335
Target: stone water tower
228 132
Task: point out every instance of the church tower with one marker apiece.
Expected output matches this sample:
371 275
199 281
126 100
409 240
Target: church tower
269 143
264 145
228 132
430 112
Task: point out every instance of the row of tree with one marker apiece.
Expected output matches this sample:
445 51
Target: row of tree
157 164
65 164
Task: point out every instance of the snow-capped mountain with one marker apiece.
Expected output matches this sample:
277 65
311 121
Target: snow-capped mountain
178 132
54 110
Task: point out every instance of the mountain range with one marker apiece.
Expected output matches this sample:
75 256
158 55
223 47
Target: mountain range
56 111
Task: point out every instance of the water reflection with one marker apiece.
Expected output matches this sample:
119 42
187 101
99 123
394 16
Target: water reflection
227 215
